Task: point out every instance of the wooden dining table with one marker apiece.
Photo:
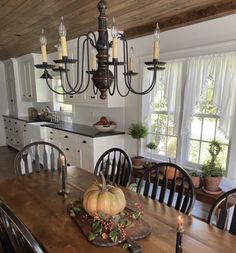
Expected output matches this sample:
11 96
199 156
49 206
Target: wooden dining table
35 201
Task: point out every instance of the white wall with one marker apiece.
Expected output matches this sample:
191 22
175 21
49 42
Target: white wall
3 103
214 36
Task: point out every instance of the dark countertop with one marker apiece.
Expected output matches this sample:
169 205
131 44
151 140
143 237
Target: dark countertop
85 130
24 118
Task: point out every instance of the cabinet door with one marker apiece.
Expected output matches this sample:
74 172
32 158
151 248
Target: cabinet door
85 147
30 80
11 89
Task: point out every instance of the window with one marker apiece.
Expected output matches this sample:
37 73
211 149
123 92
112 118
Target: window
184 126
205 128
161 128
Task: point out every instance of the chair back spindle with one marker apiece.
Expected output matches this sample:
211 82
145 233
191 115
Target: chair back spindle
223 212
177 191
115 165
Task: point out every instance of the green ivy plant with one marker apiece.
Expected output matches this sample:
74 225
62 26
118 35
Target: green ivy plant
212 167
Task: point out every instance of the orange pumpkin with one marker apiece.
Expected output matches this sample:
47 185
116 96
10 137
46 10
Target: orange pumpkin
103 198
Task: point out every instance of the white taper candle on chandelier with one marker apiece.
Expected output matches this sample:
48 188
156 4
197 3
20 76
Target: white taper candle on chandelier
62 34
59 53
43 42
156 48
94 59
114 34
131 59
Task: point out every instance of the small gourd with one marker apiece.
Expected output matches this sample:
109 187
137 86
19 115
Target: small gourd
103 198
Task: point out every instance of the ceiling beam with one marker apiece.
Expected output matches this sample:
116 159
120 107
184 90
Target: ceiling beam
207 12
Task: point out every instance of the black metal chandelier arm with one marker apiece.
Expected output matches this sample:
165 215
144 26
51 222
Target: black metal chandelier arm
149 89
65 92
49 86
75 89
112 88
93 40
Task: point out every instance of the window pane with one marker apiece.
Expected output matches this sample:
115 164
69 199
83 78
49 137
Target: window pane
162 124
204 154
162 145
171 146
222 157
194 151
196 128
220 135
209 127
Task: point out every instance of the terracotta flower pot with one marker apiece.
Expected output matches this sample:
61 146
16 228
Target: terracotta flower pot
137 161
196 181
212 183
170 173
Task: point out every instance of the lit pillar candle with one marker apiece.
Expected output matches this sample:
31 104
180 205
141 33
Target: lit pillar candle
114 34
62 33
156 48
62 160
180 223
43 42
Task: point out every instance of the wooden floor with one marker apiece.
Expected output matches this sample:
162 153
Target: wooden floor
7 156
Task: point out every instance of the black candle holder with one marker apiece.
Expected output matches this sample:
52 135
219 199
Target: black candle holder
155 65
44 65
179 237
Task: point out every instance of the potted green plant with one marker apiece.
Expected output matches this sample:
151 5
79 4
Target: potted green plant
152 146
196 178
138 131
212 171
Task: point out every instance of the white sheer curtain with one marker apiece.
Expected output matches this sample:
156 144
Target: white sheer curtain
172 79
222 69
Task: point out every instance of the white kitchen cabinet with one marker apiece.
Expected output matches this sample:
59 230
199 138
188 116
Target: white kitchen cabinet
83 151
32 87
11 88
15 132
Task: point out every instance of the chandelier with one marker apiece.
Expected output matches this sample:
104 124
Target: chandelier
103 79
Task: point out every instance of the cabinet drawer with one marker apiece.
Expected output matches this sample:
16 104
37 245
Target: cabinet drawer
84 140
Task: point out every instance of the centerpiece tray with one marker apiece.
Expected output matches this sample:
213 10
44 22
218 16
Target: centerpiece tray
135 229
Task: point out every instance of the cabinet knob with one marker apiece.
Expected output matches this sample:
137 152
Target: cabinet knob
16 131
18 142
25 131
84 141
78 150
66 136
93 97
24 125
5 120
51 132
29 95
68 164
7 138
15 122
51 139
67 149
24 95
71 96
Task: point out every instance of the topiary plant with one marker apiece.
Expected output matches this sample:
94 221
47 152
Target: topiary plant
152 146
212 171
212 167
138 131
